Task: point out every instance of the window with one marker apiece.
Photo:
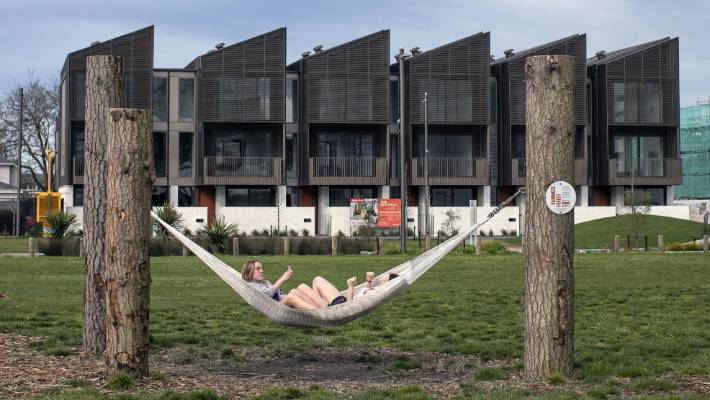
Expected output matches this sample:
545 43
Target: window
291 100
352 144
394 192
579 150
160 99
186 103
654 196
394 156
250 197
78 195
638 155
160 196
493 101
340 196
159 154
291 152
451 197
518 141
186 196
185 154
77 143
293 198
394 101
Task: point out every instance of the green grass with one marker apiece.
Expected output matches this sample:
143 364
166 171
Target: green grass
640 317
10 244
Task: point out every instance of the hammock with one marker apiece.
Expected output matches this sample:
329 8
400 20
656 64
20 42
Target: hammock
339 314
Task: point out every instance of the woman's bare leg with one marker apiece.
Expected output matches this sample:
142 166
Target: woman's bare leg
312 296
325 289
295 301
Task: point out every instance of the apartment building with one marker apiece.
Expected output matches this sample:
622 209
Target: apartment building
243 135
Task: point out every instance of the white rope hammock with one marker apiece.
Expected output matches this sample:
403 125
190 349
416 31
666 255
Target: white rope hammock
339 314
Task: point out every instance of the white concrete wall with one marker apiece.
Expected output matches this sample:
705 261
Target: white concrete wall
79 212
193 217
339 220
68 196
584 214
249 218
680 212
295 218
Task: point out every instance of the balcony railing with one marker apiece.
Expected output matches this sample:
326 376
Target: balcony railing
667 171
78 169
347 170
451 171
242 170
519 171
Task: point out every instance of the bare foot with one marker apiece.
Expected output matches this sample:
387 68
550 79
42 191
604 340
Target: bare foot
352 282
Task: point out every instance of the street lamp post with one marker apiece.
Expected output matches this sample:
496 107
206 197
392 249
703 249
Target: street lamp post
19 165
426 169
402 172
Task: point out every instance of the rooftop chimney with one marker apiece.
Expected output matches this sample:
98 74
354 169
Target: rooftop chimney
509 53
493 57
415 51
305 54
219 45
600 54
318 48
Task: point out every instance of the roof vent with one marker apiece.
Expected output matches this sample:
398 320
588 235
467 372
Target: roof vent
95 43
509 53
211 51
600 54
415 51
219 45
305 54
493 57
318 48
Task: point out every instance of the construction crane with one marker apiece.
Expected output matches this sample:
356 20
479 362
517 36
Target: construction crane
48 202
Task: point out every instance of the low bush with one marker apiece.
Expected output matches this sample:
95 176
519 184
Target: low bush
292 232
305 232
676 246
494 247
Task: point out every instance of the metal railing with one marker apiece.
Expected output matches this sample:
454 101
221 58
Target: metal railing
667 171
242 170
519 171
451 170
347 170
78 170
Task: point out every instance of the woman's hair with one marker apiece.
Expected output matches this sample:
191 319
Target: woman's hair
248 270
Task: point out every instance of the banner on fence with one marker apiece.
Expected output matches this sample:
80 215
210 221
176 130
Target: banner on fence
380 213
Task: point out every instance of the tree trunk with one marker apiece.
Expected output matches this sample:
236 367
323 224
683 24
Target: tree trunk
549 245
130 180
104 89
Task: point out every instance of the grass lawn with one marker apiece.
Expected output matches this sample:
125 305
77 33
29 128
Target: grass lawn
10 244
642 319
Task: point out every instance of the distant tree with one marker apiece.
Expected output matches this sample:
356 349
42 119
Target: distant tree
450 226
41 112
639 204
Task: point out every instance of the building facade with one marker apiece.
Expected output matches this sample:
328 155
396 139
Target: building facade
695 152
240 134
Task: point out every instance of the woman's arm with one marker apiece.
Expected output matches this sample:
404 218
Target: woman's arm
286 276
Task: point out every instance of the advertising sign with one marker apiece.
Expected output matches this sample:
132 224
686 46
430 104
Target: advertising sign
560 197
380 213
389 213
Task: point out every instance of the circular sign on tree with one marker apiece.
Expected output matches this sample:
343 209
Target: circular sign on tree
560 197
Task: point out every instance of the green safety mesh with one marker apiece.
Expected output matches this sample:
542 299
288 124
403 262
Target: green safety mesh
695 152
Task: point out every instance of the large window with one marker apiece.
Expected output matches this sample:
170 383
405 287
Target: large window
186 196
77 148
291 154
638 155
160 196
293 196
78 191
654 196
343 144
394 101
250 196
160 160
340 196
185 154
636 102
291 100
452 143
160 99
186 102
451 196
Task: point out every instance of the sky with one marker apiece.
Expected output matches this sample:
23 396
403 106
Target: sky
35 36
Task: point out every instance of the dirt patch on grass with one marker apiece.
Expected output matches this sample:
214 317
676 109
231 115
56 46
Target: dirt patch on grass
246 372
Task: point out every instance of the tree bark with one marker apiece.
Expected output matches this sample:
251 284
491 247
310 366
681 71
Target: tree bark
549 245
130 180
104 89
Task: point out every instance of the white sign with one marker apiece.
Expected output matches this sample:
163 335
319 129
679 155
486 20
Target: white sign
560 197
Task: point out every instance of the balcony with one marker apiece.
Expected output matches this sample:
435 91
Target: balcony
667 171
242 170
519 171
78 170
347 170
451 171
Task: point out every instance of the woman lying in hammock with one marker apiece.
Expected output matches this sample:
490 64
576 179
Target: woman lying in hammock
303 297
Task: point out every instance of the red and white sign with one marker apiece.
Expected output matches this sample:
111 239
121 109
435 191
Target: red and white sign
389 213
560 197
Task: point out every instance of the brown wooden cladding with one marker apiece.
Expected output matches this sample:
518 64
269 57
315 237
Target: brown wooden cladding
244 82
350 82
456 77
136 49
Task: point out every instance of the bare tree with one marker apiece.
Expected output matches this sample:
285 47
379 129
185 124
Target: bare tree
41 110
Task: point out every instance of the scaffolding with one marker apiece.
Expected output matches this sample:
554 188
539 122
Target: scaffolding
695 151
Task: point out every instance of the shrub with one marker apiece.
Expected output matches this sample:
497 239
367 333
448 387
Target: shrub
265 232
218 232
494 247
187 232
292 232
692 246
60 225
490 232
513 232
450 224
482 233
255 232
504 232
171 216
305 232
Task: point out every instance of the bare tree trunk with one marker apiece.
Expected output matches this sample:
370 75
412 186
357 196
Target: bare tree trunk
130 180
549 245
104 89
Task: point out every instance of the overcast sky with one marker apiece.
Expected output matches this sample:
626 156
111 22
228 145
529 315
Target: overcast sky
37 35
